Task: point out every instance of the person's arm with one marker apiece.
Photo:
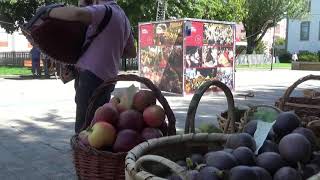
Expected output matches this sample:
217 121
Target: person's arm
130 49
72 14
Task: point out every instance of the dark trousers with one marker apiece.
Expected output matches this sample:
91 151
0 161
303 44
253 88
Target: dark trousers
46 67
85 84
36 67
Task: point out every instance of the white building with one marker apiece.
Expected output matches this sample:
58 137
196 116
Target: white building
304 34
16 42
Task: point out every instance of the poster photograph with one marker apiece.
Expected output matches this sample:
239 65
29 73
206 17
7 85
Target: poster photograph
194 78
218 34
193 57
209 56
169 33
163 65
225 57
225 75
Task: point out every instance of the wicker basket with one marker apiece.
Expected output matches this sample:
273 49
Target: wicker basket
190 127
223 120
153 160
91 163
307 108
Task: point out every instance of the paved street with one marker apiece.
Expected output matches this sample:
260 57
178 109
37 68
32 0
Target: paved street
37 118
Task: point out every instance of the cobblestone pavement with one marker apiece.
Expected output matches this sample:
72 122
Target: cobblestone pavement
37 118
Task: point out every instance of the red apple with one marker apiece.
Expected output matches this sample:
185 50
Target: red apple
101 134
151 133
154 116
106 113
131 119
142 99
126 140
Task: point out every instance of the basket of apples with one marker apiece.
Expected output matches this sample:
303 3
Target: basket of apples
99 150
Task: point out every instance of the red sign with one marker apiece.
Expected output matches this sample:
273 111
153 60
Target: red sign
3 43
196 37
146 35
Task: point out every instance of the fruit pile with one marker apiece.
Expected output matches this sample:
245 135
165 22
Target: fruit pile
288 153
117 127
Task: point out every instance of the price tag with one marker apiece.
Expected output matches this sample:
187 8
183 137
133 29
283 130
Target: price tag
261 133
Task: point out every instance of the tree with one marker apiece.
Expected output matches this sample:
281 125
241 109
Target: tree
261 15
14 13
18 12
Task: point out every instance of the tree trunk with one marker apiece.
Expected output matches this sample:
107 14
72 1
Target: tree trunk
251 44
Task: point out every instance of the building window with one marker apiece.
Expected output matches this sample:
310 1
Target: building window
304 30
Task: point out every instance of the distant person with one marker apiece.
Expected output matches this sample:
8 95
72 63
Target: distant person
35 56
294 57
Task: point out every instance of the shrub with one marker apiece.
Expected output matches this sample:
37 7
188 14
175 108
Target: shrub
306 56
260 48
284 56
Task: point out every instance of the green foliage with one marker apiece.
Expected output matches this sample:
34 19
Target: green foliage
264 14
306 56
280 42
209 128
260 48
267 115
284 56
19 11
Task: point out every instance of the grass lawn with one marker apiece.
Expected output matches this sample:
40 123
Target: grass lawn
8 70
265 66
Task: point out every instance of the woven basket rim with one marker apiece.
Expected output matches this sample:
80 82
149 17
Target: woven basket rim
144 147
283 100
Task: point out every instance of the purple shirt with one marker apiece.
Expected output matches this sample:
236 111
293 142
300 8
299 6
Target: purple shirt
103 56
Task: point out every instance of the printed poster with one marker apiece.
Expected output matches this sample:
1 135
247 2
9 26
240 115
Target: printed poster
196 36
146 35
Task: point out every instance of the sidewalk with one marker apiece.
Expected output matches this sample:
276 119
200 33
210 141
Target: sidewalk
37 119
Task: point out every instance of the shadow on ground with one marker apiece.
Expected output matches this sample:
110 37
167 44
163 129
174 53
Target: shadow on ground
29 77
38 148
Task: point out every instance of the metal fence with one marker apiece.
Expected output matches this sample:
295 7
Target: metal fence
17 58
13 58
254 59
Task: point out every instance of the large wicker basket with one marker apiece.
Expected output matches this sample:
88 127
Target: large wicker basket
154 160
190 126
307 108
91 163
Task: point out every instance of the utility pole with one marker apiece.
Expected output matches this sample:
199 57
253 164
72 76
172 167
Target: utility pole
273 43
161 10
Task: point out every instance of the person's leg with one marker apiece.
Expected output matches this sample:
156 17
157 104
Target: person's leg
85 85
46 67
38 68
33 67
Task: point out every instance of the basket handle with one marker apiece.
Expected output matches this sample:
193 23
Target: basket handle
189 125
288 92
131 77
177 169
